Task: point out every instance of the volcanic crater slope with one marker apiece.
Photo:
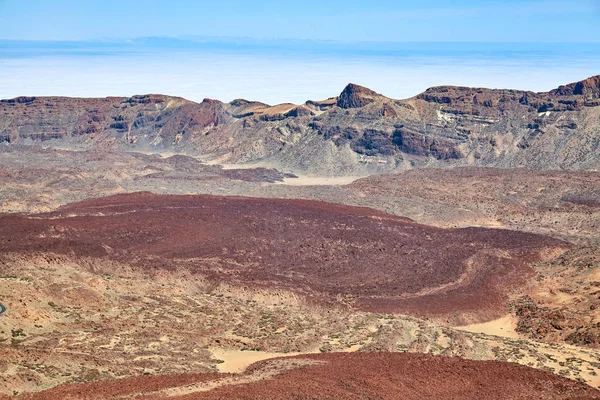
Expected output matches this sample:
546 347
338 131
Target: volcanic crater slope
348 376
326 252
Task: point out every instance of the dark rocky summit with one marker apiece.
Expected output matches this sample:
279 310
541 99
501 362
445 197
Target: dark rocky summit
355 96
589 88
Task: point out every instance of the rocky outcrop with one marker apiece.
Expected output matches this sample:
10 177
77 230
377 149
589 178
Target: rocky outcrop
589 88
355 96
554 324
388 111
412 142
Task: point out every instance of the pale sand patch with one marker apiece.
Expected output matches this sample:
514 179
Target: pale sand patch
487 223
552 296
352 349
357 347
236 361
275 367
504 327
319 180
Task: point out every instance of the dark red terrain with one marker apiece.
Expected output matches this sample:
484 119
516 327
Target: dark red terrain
328 252
345 376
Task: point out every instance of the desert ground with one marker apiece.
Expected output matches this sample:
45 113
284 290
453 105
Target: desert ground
199 288
356 247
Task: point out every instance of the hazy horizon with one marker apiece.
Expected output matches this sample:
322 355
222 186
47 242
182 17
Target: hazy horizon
278 71
278 52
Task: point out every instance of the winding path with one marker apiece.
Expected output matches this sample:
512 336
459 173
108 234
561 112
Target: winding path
2 309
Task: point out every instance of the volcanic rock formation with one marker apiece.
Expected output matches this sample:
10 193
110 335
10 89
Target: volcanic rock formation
357 132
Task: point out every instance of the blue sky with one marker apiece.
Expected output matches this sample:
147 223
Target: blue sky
338 20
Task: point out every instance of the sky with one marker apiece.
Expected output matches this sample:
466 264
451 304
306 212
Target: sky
496 43
332 20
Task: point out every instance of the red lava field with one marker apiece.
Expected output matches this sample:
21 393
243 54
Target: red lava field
344 375
327 252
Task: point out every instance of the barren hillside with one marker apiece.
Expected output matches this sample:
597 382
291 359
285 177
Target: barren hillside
355 133
372 260
347 376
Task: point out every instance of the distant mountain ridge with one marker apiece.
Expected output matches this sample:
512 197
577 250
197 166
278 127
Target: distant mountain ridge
357 132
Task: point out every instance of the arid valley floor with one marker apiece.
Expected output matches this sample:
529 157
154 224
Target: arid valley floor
129 273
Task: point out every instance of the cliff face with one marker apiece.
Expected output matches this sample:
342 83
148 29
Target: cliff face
124 120
359 131
589 88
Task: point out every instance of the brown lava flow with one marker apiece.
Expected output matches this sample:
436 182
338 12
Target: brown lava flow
327 252
344 376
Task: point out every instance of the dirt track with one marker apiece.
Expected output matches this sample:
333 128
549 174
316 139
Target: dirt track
347 376
328 252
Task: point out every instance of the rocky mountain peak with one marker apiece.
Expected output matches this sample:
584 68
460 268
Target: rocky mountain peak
356 96
589 87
